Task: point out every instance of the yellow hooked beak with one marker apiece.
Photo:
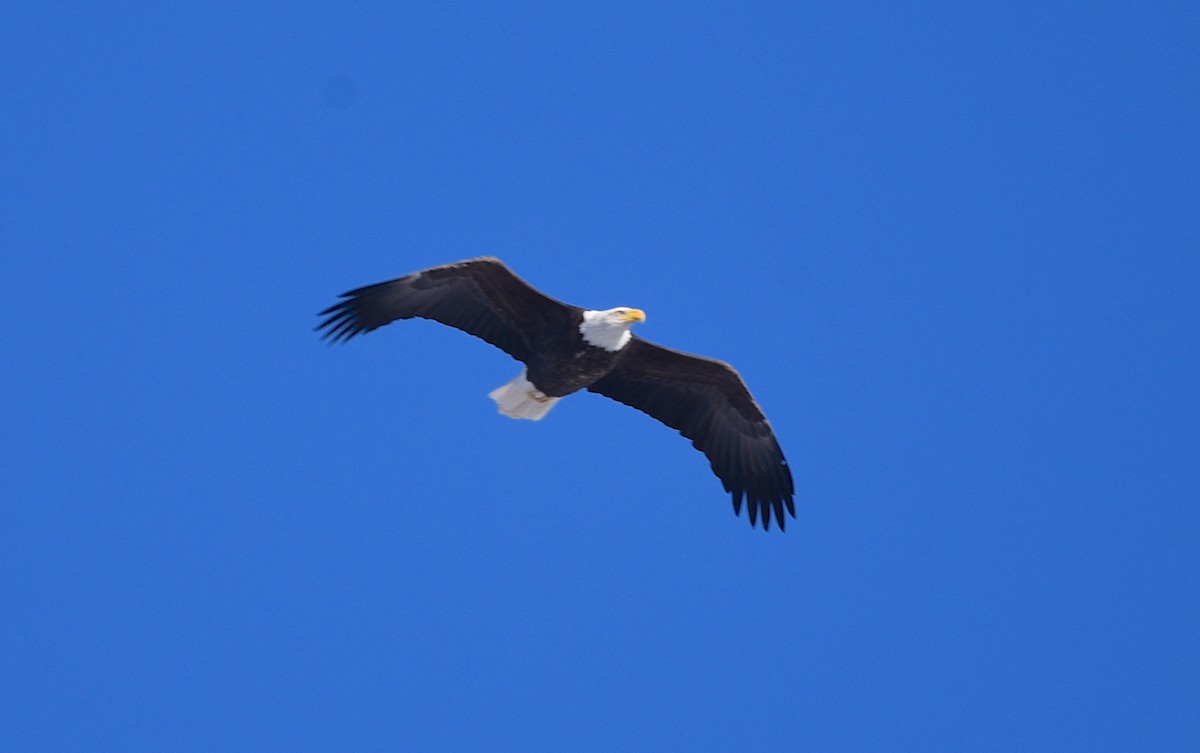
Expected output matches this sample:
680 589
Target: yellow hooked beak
635 315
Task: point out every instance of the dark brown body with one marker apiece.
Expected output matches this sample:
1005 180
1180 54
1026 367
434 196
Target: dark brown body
559 365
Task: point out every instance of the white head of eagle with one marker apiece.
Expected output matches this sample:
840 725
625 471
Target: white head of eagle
609 329
567 349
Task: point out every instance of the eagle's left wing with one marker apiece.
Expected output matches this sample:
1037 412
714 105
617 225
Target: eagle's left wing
707 402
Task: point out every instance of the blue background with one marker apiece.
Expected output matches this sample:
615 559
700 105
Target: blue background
952 247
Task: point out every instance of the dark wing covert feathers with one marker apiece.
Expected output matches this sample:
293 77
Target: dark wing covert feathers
481 297
707 402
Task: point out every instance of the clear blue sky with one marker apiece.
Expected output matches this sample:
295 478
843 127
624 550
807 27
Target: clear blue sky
952 247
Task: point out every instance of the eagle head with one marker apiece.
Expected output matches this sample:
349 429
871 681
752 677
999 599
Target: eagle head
609 329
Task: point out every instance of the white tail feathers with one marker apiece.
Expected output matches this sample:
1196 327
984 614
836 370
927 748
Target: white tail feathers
520 399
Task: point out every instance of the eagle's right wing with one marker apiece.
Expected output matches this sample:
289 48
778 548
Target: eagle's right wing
482 297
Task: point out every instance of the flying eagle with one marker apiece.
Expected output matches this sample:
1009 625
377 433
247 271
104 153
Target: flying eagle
566 348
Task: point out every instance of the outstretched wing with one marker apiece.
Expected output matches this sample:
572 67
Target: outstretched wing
482 297
707 402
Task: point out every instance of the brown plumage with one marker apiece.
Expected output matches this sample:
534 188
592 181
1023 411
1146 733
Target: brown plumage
705 400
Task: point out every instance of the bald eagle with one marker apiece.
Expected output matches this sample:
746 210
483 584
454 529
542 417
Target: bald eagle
566 348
